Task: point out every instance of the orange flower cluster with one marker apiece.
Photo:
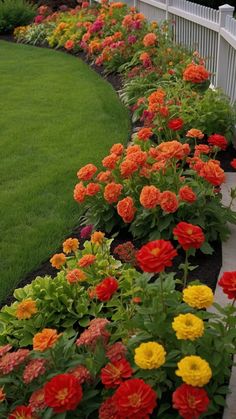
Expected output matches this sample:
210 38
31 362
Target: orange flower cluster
195 73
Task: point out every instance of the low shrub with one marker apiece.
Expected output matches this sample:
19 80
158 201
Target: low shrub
15 13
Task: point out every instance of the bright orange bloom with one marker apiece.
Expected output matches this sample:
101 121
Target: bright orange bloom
58 260
172 149
97 237
86 260
133 149
195 73
128 167
139 157
186 194
104 176
45 339
26 309
117 149
201 149
110 161
70 245
76 275
168 201
213 173
79 192
92 189
157 97
144 134
87 172
145 58
150 39
69 45
195 133
149 197
126 209
2 395
112 192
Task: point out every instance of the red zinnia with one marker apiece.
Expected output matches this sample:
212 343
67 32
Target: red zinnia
116 352
189 236
114 373
176 124
218 141
135 398
155 256
106 288
22 412
63 392
190 401
228 283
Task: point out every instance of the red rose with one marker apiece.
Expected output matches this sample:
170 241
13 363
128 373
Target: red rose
176 124
186 194
228 283
189 236
190 401
155 256
63 392
135 399
113 374
218 141
106 288
22 412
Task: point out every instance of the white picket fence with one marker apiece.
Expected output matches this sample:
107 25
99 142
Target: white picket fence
211 32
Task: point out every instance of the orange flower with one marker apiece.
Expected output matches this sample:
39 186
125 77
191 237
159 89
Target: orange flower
97 237
144 134
133 149
149 40
45 339
195 133
104 176
70 245
87 172
2 395
117 149
157 97
76 275
201 149
172 149
128 167
110 161
212 172
92 189
168 201
186 194
58 260
126 209
86 260
79 192
112 192
145 58
195 73
150 196
26 309
69 45
139 157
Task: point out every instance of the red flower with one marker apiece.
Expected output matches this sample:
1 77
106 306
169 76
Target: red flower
22 412
155 256
106 288
189 236
190 401
228 283
34 369
135 399
114 373
176 124
186 194
116 352
218 141
63 392
108 409
233 163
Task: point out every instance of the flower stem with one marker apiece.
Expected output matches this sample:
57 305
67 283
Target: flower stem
185 269
162 293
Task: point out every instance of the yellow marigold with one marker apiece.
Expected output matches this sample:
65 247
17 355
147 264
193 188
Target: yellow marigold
26 309
194 371
149 355
58 260
198 296
188 326
97 237
45 339
70 245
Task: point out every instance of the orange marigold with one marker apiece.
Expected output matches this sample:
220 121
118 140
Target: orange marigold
186 194
213 173
128 167
195 73
144 134
112 192
133 149
110 161
70 245
117 149
97 237
87 172
172 149
104 176
126 209
168 201
75 275
26 309
86 260
92 189
45 339
149 197
150 39
195 133
139 157
79 192
58 260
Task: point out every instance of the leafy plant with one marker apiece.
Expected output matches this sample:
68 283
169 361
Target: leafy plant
15 13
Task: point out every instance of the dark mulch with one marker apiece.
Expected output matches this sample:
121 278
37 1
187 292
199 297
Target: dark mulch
226 157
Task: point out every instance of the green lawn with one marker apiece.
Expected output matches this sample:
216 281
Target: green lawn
56 115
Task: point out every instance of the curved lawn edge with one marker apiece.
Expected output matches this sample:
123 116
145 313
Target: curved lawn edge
50 126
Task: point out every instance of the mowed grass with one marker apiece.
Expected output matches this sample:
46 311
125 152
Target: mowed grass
56 115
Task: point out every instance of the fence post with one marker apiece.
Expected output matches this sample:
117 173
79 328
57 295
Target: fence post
222 52
168 4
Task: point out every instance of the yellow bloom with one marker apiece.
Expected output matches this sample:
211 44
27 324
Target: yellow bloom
194 371
149 355
188 326
26 309
97 237
198 296
70 245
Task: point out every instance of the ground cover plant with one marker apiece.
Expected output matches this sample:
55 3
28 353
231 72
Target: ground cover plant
14 13
48 101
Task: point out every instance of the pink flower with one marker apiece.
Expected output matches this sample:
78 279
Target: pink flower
34 369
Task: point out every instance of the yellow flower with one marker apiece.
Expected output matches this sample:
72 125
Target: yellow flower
97 237
198 296
188 326
194 371
26 309
70 245
149 355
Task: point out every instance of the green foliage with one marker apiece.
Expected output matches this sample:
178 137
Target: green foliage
15 13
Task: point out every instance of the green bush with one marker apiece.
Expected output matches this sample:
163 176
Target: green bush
15 13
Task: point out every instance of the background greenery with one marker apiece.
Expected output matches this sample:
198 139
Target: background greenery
56 115
15 13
